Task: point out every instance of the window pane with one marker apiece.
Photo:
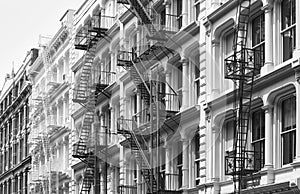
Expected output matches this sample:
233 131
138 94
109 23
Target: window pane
288 147
293 107
286 115
229 135
179 81
286 13
197 7
258 125
258 30
229 44
289 43
289 114
197 65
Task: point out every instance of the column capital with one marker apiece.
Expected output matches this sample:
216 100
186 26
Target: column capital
184 60
167 2
267 8
297 73
215 42
267 108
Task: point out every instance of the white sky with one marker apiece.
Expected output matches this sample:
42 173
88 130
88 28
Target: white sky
21 24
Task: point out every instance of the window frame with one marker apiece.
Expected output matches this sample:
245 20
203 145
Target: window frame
261 44
197 6
291 28
260 139
282 133
197 159
226 84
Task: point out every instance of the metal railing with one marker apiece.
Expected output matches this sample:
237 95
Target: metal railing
172 181
142 117
243 62
249 161
171 101
127 189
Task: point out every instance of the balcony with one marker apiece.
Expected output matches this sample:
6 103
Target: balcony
95 29
52 83
233 163
54 123
172 182
244 64
127 189
106 78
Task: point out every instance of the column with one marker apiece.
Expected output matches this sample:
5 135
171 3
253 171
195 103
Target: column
185 84
215 76
112 125
122 166
112 179
297 158
9 187
168 167
65 153
268 66
66 109
19 184
269 165
167 4
185 162
14 185
215 164
25 181
184 13
139 108
139 179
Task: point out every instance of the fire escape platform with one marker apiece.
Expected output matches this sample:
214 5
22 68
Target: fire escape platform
280 188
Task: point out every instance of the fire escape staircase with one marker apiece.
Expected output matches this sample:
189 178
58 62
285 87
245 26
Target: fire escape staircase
140 151
85 94
134 62
242 67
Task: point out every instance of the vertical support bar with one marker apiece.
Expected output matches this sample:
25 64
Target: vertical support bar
268 66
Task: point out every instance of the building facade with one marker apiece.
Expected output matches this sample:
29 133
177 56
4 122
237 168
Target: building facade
133 96
273 134
14 109
50 75
154 109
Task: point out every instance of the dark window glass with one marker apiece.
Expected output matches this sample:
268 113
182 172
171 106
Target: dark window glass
288 21
288 130
258 141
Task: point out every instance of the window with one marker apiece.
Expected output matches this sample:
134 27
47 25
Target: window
197 9
258 138
179 164
179 13
288 28
229 135
179 82
229 44
197 157
258 38
228 51
288 129
197 76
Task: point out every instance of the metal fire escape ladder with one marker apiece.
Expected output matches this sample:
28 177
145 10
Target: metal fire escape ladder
142 14
85 94
45 139
241 68
140 151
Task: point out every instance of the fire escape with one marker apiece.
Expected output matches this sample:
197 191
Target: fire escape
242 67
86 94
153 93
